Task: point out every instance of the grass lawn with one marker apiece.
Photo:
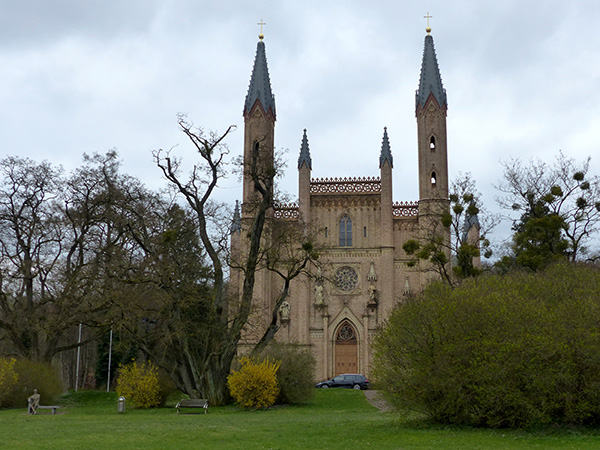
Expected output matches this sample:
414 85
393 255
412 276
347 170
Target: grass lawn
335 419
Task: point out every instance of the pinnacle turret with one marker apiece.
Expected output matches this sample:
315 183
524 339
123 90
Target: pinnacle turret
304 157
386 152
236 223
431 81
260 84
470 222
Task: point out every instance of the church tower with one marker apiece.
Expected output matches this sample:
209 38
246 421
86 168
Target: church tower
259 123
431 106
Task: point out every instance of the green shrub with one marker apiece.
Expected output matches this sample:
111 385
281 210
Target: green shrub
296 374
8 378
139 384
33 375
166 387
255 384
499 351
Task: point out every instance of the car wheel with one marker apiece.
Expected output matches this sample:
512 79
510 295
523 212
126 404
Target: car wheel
356 386
324 386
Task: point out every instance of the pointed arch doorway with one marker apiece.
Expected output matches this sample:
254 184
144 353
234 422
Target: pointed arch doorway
346 349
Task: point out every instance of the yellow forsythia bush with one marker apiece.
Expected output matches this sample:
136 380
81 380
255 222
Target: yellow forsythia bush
138 383
8 377
255 384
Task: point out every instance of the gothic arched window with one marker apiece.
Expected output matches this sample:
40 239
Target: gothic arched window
432 143
433 179
345 231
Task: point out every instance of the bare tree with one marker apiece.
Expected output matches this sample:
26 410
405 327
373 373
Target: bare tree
202 366
62 243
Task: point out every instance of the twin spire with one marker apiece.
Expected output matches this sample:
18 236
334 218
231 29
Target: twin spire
260 94
385 155
431 81
259 91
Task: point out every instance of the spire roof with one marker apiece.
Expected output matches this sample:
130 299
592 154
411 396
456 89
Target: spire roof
386 152
470 222
304 157
236 223
260 84
431 81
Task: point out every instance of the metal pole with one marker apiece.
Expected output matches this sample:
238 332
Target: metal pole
78 353
109 360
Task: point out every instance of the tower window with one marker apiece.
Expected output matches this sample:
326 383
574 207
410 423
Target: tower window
326 232
365 231
345 231
433 179
432 143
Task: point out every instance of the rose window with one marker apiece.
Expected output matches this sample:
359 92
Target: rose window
346 333
346 278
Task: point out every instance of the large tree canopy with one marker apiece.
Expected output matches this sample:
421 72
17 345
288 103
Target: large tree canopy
62 241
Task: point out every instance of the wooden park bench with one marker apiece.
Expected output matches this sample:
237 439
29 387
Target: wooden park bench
193 403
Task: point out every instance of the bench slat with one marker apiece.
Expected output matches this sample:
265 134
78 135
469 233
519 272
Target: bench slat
193 403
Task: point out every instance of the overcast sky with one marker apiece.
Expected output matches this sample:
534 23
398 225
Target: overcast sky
522 79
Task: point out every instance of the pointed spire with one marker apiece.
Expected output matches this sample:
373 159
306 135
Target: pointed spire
236 223
470 222
431 81
260 84
386 152
304 157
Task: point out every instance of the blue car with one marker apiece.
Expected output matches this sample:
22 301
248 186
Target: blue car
345 380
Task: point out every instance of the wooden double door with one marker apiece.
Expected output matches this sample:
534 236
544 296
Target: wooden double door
346 349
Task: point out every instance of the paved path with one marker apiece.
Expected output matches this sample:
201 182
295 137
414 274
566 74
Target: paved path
377 400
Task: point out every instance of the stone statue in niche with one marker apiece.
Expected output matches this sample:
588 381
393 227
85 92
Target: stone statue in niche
372 277
319 294
284 311
372 303
319 290
407 289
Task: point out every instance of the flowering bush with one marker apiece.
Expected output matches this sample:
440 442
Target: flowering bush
255 384
139 384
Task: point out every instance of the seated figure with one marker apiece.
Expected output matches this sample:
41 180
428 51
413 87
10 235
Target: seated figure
34 402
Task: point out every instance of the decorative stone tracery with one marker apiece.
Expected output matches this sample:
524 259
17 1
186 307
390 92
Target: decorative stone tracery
345 185
405 209
286 211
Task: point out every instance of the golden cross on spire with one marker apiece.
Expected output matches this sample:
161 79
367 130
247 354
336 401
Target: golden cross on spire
428 29
261 23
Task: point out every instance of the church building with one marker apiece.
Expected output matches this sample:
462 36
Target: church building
362 271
